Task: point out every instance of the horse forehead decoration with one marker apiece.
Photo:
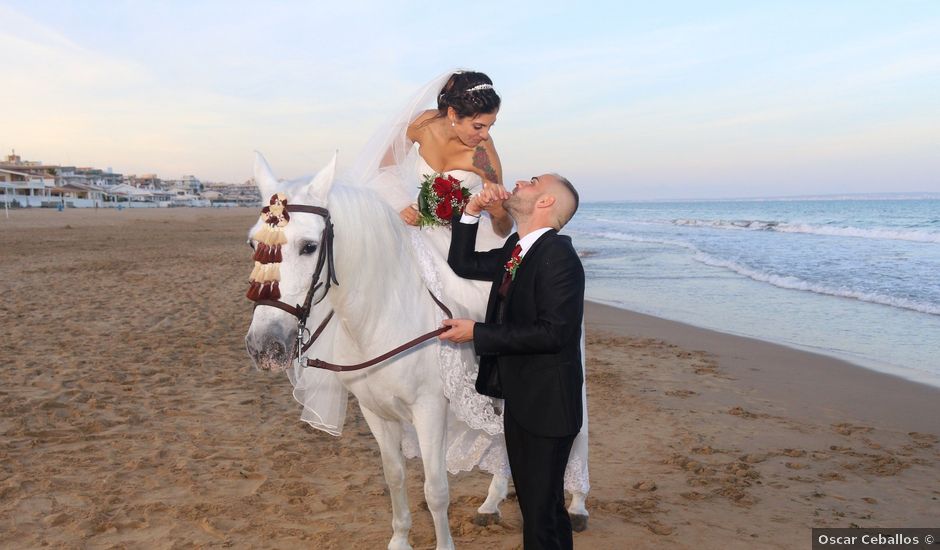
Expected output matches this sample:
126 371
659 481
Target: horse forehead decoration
270 236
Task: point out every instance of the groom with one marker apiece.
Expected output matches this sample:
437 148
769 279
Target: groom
529 345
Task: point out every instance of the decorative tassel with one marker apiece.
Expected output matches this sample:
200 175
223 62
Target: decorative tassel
261 235
256 272
270 236
260 251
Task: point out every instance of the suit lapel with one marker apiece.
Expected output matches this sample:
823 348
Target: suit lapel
498 277
529 259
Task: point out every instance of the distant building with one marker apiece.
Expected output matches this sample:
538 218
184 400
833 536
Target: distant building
32 183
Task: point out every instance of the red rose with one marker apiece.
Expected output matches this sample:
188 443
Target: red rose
444 210
441 187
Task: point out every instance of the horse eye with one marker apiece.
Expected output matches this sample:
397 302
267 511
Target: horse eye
250 243
308 248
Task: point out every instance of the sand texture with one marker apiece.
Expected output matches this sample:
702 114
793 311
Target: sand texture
131 417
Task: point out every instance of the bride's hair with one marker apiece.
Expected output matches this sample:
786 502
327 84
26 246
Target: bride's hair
469 93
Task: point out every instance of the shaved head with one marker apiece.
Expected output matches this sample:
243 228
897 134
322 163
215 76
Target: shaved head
566 199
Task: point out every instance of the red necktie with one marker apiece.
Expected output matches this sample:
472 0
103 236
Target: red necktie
507 277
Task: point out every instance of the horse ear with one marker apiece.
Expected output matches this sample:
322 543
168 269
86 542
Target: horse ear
264 178
319 187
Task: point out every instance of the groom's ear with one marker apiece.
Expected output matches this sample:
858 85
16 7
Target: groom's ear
545 201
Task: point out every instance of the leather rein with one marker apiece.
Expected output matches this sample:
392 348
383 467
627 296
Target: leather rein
302 311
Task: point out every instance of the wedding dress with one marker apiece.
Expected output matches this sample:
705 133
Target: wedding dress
393 167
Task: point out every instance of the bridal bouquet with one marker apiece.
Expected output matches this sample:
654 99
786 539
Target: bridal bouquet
439 197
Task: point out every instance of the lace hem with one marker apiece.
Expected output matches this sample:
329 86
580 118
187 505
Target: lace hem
458 363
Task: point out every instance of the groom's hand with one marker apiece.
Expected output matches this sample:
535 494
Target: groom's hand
458 330
489 197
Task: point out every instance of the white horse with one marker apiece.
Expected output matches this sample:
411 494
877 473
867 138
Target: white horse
379 303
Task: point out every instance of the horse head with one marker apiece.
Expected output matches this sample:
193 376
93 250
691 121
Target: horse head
285 249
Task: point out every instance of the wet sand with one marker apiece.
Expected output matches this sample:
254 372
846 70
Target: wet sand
131 417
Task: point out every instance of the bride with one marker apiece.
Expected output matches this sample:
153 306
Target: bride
452 138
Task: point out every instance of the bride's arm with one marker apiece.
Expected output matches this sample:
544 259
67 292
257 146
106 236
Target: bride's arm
407 211
487 162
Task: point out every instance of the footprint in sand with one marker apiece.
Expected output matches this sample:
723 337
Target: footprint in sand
739 411
681 393
924 441
845 428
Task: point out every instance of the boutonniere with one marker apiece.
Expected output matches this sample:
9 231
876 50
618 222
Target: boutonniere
513 264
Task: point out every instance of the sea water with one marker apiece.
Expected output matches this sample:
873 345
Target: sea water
855 278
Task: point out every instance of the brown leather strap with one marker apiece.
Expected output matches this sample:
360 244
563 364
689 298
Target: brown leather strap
320 364
280 305
316 333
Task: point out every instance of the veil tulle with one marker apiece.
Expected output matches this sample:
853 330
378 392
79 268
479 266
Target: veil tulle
386 163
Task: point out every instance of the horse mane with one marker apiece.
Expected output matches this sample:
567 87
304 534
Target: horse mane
375 264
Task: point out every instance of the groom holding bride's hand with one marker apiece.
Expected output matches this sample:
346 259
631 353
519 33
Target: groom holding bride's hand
529 344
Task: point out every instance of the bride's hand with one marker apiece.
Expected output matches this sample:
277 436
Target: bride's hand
493 195
409 215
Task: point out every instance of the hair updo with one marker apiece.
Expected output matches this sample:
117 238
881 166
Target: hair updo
459 94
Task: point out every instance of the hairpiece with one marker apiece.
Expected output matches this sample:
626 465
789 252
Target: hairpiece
479 87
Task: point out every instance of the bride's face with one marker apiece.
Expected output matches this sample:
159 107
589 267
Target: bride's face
474 130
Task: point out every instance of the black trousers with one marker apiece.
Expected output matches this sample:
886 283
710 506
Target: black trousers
538 472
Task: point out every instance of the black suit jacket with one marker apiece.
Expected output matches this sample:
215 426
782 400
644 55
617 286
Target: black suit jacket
536 350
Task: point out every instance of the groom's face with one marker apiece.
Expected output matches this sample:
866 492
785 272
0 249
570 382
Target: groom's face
527 193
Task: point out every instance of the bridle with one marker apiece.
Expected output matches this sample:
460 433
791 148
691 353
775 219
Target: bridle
324 260
302 311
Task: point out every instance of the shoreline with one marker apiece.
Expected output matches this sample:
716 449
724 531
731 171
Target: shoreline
812 376
909 374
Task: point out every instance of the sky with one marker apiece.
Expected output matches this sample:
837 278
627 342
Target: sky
629 100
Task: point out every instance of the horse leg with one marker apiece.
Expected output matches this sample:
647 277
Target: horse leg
577 477
577 481
577 469
488 512
388 434
431 425
577 512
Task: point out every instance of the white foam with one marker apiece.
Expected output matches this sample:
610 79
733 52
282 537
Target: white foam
847 231
794 283
787 282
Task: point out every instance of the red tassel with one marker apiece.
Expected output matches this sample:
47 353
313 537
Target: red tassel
277 254
253 291
265 293
275 291
269 255
260 251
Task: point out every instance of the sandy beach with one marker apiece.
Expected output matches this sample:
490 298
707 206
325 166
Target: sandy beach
131 417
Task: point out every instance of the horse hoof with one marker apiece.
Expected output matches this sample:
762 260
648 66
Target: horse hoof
578 523
485 519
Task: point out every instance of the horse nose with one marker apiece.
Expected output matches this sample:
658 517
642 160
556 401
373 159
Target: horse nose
269 354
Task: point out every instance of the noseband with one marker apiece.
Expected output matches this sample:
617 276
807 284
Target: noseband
302 311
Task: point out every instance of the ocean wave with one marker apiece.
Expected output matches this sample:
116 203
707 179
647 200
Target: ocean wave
782 281
634 239
832 231
794 283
